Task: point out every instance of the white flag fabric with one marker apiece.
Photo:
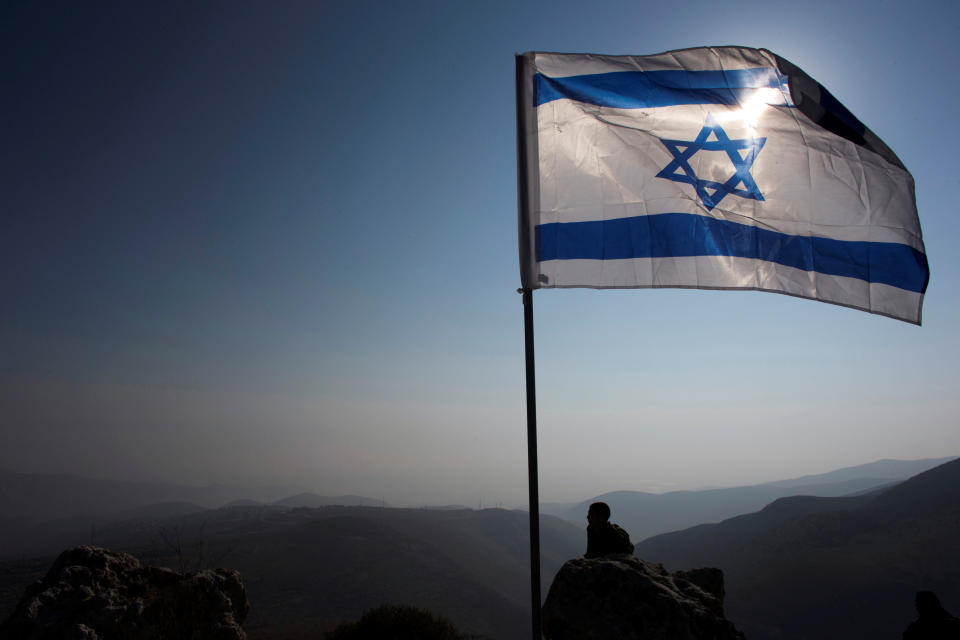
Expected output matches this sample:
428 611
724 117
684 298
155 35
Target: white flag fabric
710 168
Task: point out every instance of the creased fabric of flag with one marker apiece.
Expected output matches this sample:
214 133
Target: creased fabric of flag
710 168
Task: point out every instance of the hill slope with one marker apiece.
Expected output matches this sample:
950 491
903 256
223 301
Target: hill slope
648 514
831 567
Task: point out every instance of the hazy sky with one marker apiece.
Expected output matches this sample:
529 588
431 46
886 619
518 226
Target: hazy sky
249 242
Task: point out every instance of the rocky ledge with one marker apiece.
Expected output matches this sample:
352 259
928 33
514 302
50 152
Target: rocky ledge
622 597
95 594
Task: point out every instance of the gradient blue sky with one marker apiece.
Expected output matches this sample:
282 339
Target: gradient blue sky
249 242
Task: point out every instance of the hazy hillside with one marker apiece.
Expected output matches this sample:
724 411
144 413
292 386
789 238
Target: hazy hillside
828 568
305 569
647 514
159 510
34 497
881 469
308 499
42 513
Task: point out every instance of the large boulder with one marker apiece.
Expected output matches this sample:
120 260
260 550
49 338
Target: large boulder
622 597
95 594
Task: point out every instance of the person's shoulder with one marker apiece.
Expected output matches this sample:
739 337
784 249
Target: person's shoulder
621 539
911 632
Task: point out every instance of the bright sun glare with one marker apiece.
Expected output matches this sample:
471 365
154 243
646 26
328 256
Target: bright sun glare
752 107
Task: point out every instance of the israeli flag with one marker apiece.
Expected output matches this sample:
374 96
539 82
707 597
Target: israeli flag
710 168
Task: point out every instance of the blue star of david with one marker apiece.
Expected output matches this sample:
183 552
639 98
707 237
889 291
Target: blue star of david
710 192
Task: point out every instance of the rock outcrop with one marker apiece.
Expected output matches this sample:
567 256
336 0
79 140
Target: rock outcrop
622 597
95 594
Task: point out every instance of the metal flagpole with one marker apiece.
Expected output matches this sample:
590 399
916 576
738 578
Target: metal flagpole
526 244
532 463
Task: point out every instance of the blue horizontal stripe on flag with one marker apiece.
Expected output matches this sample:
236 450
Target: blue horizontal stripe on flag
674 235
637 89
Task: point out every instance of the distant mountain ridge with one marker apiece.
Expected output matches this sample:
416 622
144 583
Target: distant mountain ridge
37 497
649 514
887 468
856 561
43 496
42 513
309 499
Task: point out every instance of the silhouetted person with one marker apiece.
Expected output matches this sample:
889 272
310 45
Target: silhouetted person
933 621
603 537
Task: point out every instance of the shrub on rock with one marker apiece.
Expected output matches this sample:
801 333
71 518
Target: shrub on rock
397 623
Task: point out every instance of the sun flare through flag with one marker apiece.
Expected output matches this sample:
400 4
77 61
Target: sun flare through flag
710 168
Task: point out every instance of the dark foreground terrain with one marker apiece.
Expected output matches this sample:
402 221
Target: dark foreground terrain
307 569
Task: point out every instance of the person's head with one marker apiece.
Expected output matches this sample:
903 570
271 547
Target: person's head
928 604
598 513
